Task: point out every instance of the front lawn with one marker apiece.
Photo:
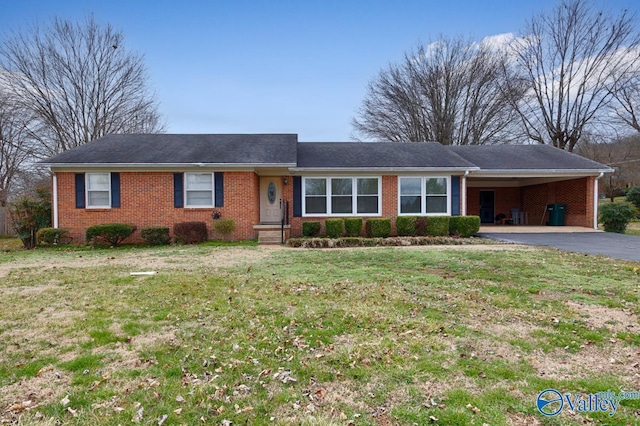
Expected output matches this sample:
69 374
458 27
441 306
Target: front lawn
255 335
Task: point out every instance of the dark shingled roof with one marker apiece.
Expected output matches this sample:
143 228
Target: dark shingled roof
524 157
284 150
183 149
369 155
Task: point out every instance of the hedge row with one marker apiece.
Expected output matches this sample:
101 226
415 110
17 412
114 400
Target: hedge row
411 226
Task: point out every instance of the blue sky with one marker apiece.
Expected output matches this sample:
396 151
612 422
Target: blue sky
277 66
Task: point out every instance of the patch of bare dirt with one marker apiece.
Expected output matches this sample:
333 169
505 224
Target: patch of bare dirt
615 358
597 316
26 395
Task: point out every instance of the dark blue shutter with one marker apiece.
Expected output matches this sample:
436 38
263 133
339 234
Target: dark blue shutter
115 190
297 196
455 195
218 178
178 190
80 204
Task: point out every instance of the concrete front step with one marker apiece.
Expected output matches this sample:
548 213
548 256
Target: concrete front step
269 237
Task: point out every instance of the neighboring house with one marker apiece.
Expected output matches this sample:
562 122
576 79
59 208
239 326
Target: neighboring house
163 179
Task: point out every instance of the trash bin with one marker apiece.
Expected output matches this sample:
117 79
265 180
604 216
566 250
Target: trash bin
556 214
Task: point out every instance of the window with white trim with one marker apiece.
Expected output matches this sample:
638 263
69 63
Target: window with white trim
98 188
198 190
424 195
341 196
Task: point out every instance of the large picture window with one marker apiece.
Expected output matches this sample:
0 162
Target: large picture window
424 195
199 189
341 196
98 190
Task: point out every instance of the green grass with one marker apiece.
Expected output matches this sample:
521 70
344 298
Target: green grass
291 336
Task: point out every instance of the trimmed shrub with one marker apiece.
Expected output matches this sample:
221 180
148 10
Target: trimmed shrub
464 226
334 227
224 226
378 227
406 226
421 226
311 229
109 233
437 226
353 226
616 216
191 232
633 196
52 236
156 235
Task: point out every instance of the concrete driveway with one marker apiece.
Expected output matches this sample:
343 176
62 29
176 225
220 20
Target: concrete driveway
616 246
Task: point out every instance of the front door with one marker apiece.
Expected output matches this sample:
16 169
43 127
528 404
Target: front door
487 201
270 197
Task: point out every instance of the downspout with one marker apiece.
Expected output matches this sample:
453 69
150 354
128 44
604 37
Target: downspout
55 200
464 193
595 200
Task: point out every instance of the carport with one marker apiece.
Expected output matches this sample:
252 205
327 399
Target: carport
518 186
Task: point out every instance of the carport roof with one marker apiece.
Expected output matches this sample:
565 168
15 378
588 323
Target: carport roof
526 158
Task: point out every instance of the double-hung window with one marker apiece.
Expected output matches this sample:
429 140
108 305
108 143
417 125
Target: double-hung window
341 196
424 195
98 187
199 190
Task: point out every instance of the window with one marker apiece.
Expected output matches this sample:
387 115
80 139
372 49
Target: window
315 196
424 195
199 189
341 196
98 190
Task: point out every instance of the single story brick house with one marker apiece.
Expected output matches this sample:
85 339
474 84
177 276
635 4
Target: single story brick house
259 179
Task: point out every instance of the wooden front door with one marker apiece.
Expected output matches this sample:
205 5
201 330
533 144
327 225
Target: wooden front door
270 197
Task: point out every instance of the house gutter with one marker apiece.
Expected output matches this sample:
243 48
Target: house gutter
595 200
55 200
378 169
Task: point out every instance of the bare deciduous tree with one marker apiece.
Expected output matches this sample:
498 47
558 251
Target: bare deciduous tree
622 154
626 106
14 147
452 92
571 59
79 82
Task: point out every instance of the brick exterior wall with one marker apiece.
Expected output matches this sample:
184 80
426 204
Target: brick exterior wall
577 194
147 200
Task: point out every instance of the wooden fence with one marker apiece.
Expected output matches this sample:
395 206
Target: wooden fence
6 227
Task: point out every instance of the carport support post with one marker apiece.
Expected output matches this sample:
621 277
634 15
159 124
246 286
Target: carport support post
55 200
596 197
463 191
